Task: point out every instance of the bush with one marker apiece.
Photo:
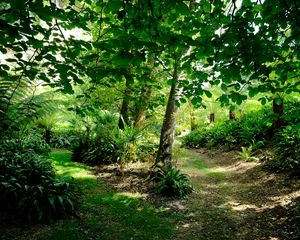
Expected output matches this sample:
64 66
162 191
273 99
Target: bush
172 182
107 143
34 140
29 189
147 150
65 139
287 143
248 130
215 135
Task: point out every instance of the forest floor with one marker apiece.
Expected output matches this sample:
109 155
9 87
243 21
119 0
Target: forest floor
232 199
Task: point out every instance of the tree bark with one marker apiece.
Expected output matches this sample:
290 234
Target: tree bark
140 113
278 110
231 115
192 116
212 118
145 94
47 135
165 149
124 114
164 154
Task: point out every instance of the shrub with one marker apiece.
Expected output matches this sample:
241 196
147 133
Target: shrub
29 189
107 143
246 154
251 128
172 182
287 143
147 150
34 140
65 139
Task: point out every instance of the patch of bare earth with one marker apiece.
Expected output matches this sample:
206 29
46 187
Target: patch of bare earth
232 199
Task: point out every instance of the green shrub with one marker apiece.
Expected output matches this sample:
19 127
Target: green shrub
65 139
292 115
107 143
34 140
214 135
29 189
147 150
251 128
172 182
287 143
246 154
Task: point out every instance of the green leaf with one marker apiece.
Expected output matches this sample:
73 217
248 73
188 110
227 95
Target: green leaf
183 100
232 108
278 101
263 100
224 87
114 6
208 93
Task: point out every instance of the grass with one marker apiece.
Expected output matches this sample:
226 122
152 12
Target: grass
104 213
211 191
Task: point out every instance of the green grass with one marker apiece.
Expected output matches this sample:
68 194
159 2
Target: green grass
104 213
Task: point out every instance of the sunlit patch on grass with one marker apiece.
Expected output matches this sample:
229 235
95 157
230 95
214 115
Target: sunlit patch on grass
63 165
105 213
130 195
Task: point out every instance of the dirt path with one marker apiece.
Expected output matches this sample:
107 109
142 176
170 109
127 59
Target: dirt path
233 199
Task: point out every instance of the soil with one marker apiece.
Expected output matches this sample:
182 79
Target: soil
232 199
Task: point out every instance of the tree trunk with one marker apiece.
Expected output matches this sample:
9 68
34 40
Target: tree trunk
212 118
164 154
140 113
192 116
231 115
124 118
145 94
47 135
165 149
278 110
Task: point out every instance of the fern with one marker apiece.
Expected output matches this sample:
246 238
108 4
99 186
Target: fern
246 154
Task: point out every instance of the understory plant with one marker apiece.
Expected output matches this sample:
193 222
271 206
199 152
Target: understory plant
65 139
250 128
34 140
29 188
172 182
246 154
288 148
107 143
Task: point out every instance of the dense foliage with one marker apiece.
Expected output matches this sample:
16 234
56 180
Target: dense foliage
288 148
29 189
107 143
65 139
251 129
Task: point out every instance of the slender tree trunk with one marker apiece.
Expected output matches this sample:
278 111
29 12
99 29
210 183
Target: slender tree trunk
124 118
192 116
231 115
140 113
165 149
47 135
212 118
145 95
164 154
278 110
